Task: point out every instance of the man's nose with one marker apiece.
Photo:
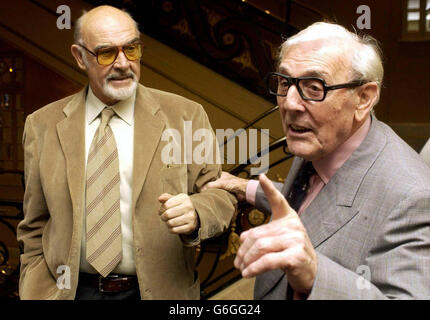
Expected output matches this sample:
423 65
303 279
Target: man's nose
121 61
292 101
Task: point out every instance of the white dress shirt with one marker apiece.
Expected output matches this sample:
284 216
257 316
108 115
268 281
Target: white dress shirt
122 125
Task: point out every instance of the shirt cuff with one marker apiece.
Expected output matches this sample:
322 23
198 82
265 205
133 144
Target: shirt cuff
251 191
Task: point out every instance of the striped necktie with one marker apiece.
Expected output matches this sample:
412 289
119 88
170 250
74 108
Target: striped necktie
103 217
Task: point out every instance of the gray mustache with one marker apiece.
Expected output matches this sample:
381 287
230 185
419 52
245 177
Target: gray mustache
115 76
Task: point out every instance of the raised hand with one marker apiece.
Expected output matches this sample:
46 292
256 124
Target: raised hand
281 244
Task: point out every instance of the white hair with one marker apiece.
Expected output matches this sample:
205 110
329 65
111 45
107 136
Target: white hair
366 59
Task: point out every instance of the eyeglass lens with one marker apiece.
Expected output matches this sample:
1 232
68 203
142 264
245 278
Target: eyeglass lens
108 55
309 88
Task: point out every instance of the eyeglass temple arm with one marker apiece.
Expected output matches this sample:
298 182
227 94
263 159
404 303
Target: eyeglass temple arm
346 85
87 49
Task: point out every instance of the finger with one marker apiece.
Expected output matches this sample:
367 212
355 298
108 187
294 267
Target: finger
278 203
183 224
209 185
265 230
237 262
244 235
184 229
249 237
243 249
268 230
216 183
178 200
272 244
173 213
164 197
178 221
220 183
269 261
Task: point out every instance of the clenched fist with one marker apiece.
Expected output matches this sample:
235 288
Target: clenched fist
178 212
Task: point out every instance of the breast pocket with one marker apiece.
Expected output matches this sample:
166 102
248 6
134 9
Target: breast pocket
174 177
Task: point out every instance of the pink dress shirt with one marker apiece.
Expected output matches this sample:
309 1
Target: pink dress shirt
325 167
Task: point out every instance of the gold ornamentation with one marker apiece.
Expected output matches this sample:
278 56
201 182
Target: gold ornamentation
245 59
279 178
213 17
256 217
183 27
228 39
233 245
233 240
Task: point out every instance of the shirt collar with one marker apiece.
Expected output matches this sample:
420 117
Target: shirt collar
124 108
326 167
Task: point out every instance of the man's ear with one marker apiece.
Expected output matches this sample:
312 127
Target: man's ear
77 54
367 96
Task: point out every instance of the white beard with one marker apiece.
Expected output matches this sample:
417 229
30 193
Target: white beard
119 93
108 90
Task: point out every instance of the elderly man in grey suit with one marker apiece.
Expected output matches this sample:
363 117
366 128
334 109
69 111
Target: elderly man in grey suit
363 228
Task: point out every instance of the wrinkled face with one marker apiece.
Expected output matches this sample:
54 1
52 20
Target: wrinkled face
118 80
314 129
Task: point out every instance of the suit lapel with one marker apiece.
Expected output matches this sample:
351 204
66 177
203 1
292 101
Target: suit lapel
71 133
334 206
321 219
266 282
292 174
148 127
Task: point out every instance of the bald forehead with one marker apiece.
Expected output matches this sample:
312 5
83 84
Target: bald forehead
105 22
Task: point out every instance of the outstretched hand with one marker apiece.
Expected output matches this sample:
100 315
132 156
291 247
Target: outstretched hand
281 244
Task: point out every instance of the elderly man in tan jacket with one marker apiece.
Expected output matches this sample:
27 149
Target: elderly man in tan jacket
105 216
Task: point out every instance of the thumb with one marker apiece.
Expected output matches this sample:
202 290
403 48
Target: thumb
212 185
206 186
164 197
278 204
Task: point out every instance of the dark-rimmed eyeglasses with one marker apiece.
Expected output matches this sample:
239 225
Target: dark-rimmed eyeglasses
108 55
309 88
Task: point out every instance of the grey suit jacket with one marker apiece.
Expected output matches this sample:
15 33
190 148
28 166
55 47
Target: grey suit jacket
370 222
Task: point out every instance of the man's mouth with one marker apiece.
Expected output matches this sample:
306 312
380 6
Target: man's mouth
298 129
120 78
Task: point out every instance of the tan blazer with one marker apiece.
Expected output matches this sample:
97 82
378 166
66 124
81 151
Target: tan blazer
51 232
